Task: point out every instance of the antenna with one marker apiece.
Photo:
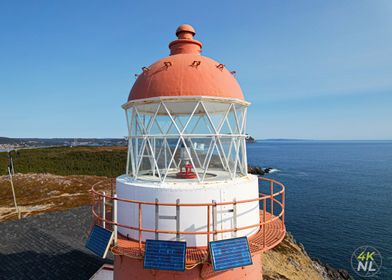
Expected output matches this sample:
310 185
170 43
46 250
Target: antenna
11 173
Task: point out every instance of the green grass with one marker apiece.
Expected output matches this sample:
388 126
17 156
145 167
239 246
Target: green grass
108 161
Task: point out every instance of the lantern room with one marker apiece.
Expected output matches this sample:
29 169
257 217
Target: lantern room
186 117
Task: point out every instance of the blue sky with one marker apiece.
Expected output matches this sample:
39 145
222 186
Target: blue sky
312 69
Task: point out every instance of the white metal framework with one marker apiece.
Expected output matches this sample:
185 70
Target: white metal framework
209 132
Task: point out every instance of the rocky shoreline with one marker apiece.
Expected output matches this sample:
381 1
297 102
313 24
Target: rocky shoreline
257 170
296 264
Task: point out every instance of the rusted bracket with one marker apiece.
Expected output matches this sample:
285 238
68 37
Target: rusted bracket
167 64
220 66
196 63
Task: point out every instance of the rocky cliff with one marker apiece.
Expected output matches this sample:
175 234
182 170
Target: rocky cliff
290 261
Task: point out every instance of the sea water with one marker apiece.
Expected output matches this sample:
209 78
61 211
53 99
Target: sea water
338 195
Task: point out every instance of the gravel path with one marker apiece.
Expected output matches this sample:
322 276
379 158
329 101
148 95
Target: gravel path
48 246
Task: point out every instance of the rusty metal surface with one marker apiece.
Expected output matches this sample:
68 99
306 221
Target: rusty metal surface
275 232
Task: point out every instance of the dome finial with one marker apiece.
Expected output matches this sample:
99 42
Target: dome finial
185 42
185 31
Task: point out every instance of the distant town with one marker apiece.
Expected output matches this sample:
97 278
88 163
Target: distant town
7 143
28 143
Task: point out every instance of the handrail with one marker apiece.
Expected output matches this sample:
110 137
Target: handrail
194 204
98 196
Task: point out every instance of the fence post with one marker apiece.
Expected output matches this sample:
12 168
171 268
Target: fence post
234 233
264 212
103 209
115 218
178 219
214 220
99 205
284 208
140 225
156 218
208 223
272 197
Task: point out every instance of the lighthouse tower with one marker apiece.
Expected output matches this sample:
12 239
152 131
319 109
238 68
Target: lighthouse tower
186 181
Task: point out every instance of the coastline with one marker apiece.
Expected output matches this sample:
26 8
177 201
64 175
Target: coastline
296 264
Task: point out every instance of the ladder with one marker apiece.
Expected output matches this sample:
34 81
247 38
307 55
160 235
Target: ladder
165 217
215 218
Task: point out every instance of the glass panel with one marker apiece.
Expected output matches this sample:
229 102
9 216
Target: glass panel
148 109
232 120
241 164
147 164
130 158
181 112
225 128
240 112
228 149
163 123
135 127
174 151
214 160
163 152
217 112
144 159
180 107
145 114
199 123
138 151
129 113
198 147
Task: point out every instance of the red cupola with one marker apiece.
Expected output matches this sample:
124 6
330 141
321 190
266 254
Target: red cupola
185 73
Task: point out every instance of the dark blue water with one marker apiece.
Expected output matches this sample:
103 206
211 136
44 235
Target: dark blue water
338 195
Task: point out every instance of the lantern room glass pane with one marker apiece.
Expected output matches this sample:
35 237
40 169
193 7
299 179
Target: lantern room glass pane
165 137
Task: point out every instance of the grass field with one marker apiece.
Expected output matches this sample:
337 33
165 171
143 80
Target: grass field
96 161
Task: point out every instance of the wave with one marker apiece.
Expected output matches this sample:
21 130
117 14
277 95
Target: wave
273 170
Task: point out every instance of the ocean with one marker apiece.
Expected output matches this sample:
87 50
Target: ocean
338 196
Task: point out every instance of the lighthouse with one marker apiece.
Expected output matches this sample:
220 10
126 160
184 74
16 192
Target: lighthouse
186 207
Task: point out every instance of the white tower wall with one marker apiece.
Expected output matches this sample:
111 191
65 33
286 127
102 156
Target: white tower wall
191 218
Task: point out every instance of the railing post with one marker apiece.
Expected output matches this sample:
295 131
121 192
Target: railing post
264 213
103 209
99 209
234 233
214 220
208 223
94 208
115 218
140 225
178 219
284 209
156 218
92 213
272 197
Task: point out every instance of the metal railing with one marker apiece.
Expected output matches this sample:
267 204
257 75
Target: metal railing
106 205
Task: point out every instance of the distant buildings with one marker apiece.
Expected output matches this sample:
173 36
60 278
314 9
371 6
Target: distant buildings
23 143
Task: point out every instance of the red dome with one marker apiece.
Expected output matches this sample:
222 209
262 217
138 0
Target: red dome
185 73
